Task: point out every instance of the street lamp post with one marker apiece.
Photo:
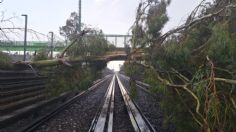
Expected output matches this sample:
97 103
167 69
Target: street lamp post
25 37
51 47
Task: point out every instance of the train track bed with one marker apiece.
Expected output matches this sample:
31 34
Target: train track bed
121 121
105 107
118 113
77 116
41 111
22 114
149 105
21 92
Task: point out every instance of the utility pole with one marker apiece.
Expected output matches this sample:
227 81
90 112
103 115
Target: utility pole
25 38
51 46
79 13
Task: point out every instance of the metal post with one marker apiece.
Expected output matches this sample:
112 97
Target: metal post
79 12
116 41
51 47
25 38
125 45
106 37
125 40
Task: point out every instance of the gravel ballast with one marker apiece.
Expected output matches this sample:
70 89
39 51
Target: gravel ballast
78 116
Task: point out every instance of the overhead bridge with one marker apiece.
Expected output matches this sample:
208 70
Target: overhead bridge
57 45
124 55
109 56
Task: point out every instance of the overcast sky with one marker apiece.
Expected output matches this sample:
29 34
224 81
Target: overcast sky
112 16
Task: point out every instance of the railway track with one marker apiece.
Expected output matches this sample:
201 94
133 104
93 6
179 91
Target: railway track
35 126
150 104
105 118
141 85
115 112
20 92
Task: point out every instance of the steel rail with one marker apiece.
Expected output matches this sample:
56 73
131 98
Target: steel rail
138 82
138 120
143 86
111 111
34 125
103 121
100 120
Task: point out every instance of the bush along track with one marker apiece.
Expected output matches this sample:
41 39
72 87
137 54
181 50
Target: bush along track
192 66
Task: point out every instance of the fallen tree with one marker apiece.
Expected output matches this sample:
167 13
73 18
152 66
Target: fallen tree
191 63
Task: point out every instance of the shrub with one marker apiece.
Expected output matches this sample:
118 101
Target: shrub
5 61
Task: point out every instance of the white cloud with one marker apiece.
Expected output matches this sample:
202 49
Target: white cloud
114 2
98 1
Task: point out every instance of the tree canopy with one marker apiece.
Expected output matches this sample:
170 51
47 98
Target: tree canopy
193 66
92 43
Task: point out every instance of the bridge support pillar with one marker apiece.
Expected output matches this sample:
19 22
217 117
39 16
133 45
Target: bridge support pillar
116 41
51 46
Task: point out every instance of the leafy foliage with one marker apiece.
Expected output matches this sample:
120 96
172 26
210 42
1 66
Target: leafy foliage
70 30
133 70
157 17
42 55
80 75
221 42
193 69
92 44
67 79
154 19
5 61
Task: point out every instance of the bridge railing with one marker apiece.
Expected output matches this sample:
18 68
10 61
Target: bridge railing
6 45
